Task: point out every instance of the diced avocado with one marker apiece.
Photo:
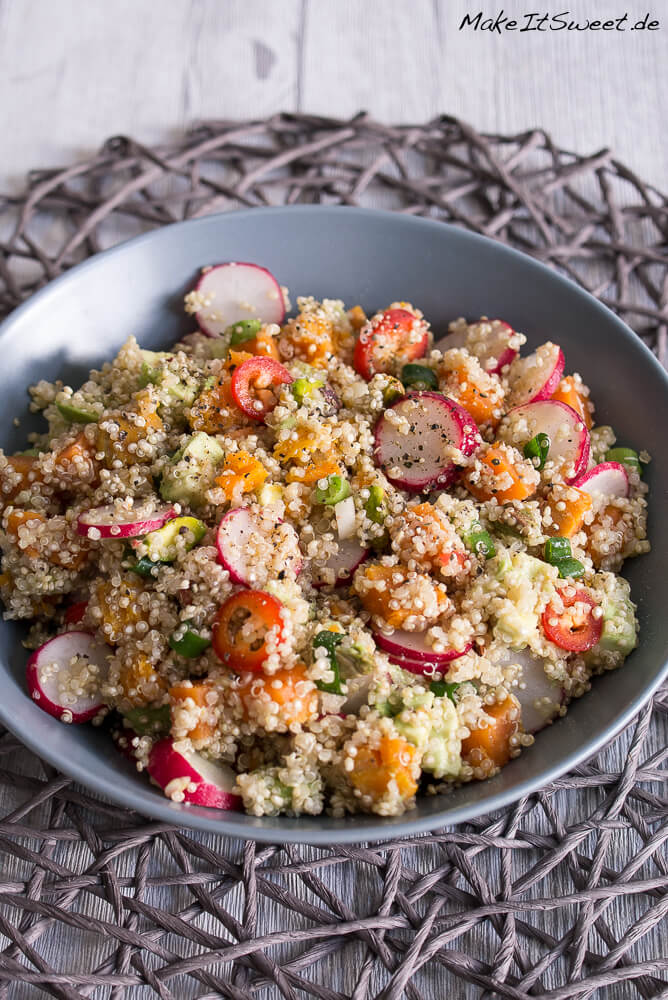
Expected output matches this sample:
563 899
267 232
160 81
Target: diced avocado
162 544
154 370
148 720
191 470
431 724
619 621
528 584
76 414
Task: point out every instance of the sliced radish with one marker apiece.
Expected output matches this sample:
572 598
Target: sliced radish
238 535
113 522
539 695
349 556
416 438
344 511
61 681
187 776
414 646
489 340
609 478
569 438
536 376
235 291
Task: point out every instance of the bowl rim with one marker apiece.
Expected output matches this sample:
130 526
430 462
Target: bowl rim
378 829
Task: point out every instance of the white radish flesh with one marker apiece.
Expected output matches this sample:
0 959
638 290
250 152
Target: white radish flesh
489 341
112 522
539 695
64 676
344 511
419 438
568 454
415 646
350 555
237 539
609 479
537 376
186 776
235 291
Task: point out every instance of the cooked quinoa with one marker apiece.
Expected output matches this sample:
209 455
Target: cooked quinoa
322 564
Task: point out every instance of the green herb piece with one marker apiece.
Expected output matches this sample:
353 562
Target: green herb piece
444 689
537 448
393 392
146 567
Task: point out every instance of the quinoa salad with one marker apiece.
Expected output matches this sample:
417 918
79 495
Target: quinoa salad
326 563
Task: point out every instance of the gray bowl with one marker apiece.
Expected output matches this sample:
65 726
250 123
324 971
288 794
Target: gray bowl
372 258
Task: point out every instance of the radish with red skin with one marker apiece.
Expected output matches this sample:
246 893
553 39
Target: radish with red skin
610 479
569 438
209 783
537 376
494 354
113 523
232 542
424 668
122 739
394 336
414 646
53 663
421 459
236 291
349 556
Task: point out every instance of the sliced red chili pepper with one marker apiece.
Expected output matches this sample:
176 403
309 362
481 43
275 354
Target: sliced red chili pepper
75 613
254 383
574 629
395 336
242 626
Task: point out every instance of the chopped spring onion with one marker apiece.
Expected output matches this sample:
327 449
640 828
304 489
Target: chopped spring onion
146 567
245 329
570 568
480 541
419 377
444 689
75 414
557 548
329 641
537 449
185 641
393 391
337 489
625 456
558 553
303 387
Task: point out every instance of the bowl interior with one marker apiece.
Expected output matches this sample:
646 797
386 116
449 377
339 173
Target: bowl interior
372 258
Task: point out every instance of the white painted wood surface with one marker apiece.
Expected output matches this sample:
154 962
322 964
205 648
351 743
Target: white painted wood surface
75 71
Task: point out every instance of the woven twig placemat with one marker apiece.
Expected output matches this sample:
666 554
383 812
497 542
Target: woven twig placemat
560 896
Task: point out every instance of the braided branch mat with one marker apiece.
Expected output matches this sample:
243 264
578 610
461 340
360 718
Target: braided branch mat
560 896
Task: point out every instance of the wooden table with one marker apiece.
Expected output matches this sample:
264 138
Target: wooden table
74 71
